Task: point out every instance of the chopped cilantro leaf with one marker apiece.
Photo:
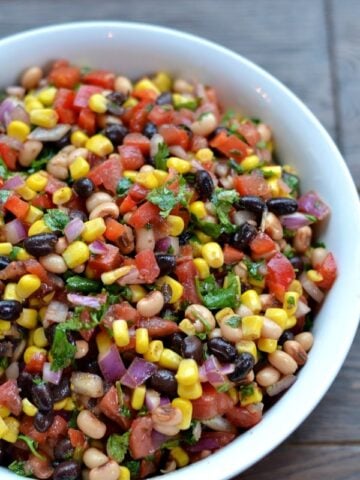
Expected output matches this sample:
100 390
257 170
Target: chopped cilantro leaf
235 166
123 186
117 445
247 391
171 443
4 194
166 199
215 297
225 387
32 445
62 351
56 219
223 200
4 172
4 362
20 468
319 245
189 103
134 467
253 269
189 435
40 163
228 115
234 321
161 156
14 253
292 181
125 411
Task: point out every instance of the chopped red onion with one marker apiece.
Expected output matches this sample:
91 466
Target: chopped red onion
20 114
179 152
131 278
51 376
296 220
13 183
219 424
197 165
56 312
138 372
311 289
302 309
98 248
227 368
14 231
6 107
158 439
312 204
111 365
206 442
15 91
11 142
164 401
73 229
163 245
213 372
50 134
84 300
281 385
152 399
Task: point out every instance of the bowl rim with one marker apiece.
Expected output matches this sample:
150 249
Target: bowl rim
229 468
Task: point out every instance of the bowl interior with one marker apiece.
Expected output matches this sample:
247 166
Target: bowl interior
135 49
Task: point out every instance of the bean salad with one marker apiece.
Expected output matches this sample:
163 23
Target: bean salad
159 273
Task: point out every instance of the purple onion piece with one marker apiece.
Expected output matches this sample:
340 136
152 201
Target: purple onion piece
20 114
73 229
205 443
111 365
50 135
312 204
50 376
11 142
14 231
13 183
213 372
56 312
84 300
138 372
98 248
6 107
296 220
152 399
163 245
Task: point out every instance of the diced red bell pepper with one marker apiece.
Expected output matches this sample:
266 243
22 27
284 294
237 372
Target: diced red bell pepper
186 273
253 184
8 155
127 205
262 244
131 157
77 438
280 273
139 116
110 260
64 76
211 403
160 115
328 270
107 173
64 105
147 265
87 120
232 255
16 206
138 140
249 131
36 363
42 200
174 135
114 229
146 213
230 145
100 78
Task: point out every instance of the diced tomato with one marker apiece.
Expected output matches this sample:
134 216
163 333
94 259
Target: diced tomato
27 428
328 270
109 405
16 206
127 205
114 229
146 213
198 142
10 397
262 245
107 173
139 115
83 95
230 145
60 62
174 135
249 131
65 77
186 273
145 94
77 438
160 115
158 327
123 311
138 192
280 273
211 403
101 78
147 265
253 184
40 468
138 140
8 155
58 428
140 441
244 417
42 200
87 120
131 157
34 267
64 104
36 363
147 467
110 260
232 255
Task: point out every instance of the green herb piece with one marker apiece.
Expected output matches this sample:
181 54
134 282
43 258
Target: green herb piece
125 411
234 321
134 467
40 163
247 391
4 171
214 230
62 351
4 195
143 411
293 182
4 363
262 145
83 285
201 335
123 186
38 381
215 297
188 435
72 422
288 233
228 115
253 269
309 322
191 104
311 218
223 201
172 443
225 387
166 199
117 446
32 445
319 245
14 253
20 468
56 219
235 166
255 120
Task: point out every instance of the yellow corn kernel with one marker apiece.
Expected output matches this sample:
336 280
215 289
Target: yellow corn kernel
60 405
23 255
30 352
78 138
3 428
39 338
28 318
32 103
198 209
186 408
13 426
188 372
103 341
42 312
5 326
62 195
191 392
130 102
196 248
5 248
260 284
180 456
295 286
147 180
213 254
69 405
314 276
93 229
177 289
124 473
100 145
274 186
274 171
121 333
175 225
26 193
138 397
204 155
250 162
4 411
160 175
290 304
47 298
169 359
44 117
130 174
251 326
76 254
37 182
33 214
10 292
224 312
141 340
108 278
137 293
233 394
277 315
97 103
27 285
163 82
154 352
28 408
249 396
290 322
38 227
267 345
202 268
19 130
47 96
202 237
79 168
145 84
187 327
178 164
251 299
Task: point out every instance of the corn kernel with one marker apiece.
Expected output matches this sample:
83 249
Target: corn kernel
78 138
13 426
141 340
177 289
180 456
290 322
124 473
160 175
169 359
251 299
137 293
251 326
233 394
62 195
100 145
39 338
274 186
97 103
198 209
314 276
69 404
44 117
147 180
249 396
121 333
277 315
186 408
33 214
32 351
22 254
163 82
5 326
32 103
10 292
202 268
250 162
108 278
175 225
4 411
191 392
188 372
196 248
26 193
3 428
260 284
154 352
47 96
183 101
60 405
178 164
28 318
187 327
130 174
202 237
295 286
5 248
130 102
204 155
145 84
213 254
79 168
267 345
37 182
19 130
224 312
93 229
103 342
274 171
27 285
290 302
38 227
138 397
76 254
28 408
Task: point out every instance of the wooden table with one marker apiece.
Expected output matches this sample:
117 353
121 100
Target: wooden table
313 46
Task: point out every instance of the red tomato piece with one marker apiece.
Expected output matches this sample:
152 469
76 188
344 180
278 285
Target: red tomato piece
131 157
39 467
186 273
249 132
174 135
101 78
99 264
27 428
328 270
64 77
36 363
114 229
123 311
53 184
211 403
83 95
107 173
10 397
244 417
140 441
253 184
139 115
147 265
34 267
232 255
16 206
138 192
8 155
160 115
158 327
146 213
127 205
109 405
64 104
87 120
42 200
262 244
280 273
58 428
76 437
138 140
230 145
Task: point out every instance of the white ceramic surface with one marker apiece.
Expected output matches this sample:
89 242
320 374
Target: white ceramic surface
134 49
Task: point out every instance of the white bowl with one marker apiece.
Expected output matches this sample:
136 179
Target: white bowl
136 49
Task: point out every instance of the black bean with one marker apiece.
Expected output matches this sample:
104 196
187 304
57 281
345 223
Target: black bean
282 205
164 99
63 449
243 365
192 348
2 452
84 187
43 420
287 335
7 348
41 244
149 129
297 263
166 262
241 238
185 237
204 184
116 132
68 470
78 214
223 350
164 381
4 262
10 309
217 131
42 397
251 203
25 383
176 340
62 390
117 97
63 142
